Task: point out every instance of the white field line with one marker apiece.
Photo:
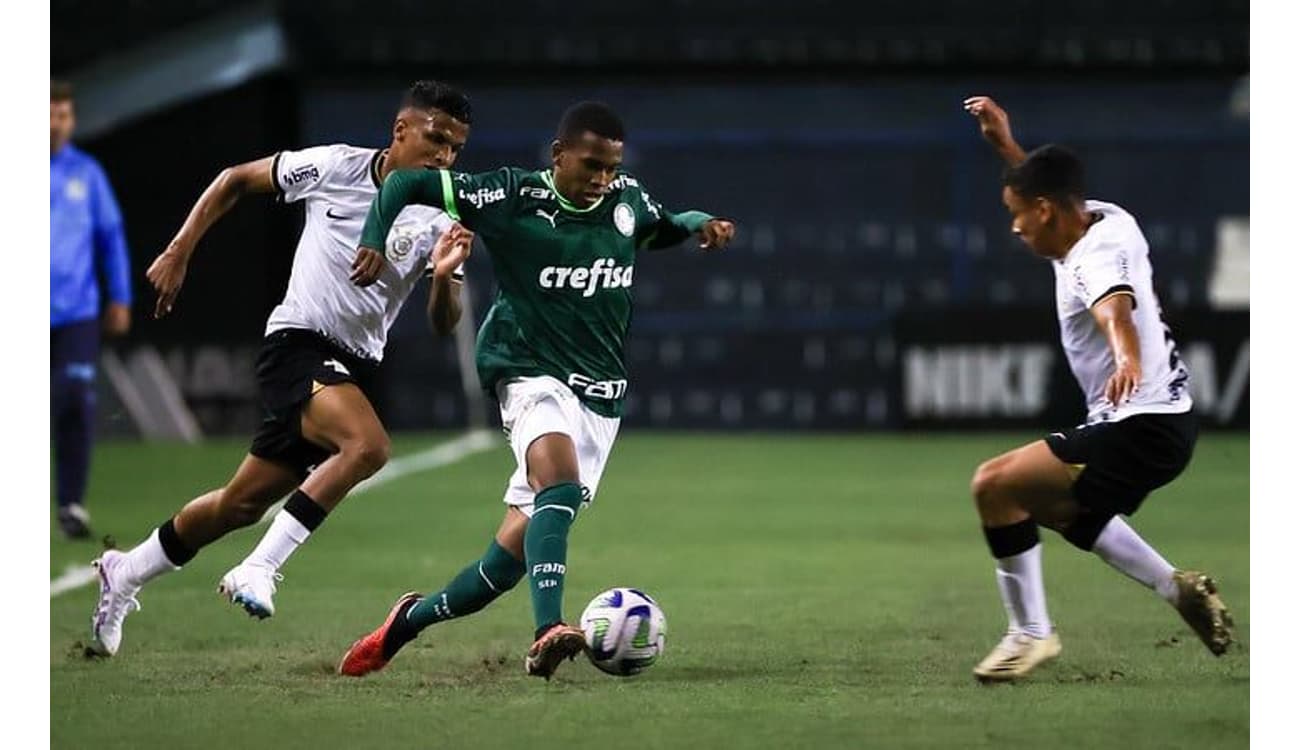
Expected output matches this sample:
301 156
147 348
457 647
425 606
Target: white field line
444 454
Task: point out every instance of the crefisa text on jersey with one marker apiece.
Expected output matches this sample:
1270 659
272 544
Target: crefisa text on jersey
587 279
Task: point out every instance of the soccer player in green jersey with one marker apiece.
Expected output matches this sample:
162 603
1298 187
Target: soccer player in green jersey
563 243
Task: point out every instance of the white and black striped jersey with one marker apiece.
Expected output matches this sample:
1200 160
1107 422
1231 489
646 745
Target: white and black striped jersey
1112 258
338 183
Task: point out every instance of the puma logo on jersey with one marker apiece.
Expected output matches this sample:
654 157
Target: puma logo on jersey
549 217
336 366
603 274
482 197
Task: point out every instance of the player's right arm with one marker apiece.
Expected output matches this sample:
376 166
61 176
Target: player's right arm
474 200
995 126
167 272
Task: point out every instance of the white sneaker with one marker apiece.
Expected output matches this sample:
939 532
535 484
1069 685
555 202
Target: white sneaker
116 601
251 587
1016 655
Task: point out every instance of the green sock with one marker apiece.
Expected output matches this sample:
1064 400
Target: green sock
546 544
472 589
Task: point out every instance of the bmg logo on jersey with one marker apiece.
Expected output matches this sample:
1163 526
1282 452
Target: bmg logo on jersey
603 274
302 174
483 196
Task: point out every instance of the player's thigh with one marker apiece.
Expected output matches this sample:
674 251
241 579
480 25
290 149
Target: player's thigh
259 482
1032 478
340 414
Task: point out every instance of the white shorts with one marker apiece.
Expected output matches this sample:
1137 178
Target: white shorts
532 407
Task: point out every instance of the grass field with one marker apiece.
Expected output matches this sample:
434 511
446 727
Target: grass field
821 591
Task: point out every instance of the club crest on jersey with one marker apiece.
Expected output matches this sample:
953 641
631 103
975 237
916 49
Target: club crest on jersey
400 243
624 219
602 274
75 190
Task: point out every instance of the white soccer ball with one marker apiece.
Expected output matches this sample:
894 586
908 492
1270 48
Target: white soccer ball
625 631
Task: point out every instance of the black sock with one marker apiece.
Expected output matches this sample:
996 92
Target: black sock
302 507
1085 529
176 550
1009 541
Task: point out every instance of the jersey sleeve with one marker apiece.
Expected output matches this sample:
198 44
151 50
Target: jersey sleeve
658 228
478 201
299 174
1102 271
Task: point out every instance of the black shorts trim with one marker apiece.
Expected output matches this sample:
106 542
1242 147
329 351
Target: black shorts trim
292 366
1122 462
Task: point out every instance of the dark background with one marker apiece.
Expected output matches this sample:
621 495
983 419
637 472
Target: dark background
832 132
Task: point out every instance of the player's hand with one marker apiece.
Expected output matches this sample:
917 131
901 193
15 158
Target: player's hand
366 267
716 233
117 319
995 126
1123 382
166 274
450 251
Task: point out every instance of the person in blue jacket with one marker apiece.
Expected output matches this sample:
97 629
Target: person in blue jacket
87 248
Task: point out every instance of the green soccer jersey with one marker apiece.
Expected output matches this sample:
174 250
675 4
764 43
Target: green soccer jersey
564 273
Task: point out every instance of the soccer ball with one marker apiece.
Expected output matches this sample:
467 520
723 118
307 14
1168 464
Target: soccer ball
625 631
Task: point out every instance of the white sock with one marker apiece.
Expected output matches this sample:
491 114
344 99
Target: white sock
1129 553
1020 580
146 561
284 536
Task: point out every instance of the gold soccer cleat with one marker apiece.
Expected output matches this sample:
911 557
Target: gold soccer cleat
1203 610
1016 656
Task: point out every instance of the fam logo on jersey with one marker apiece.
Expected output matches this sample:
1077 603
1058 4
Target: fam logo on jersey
400 243
75 190
602 274
624 219
482 197
302 174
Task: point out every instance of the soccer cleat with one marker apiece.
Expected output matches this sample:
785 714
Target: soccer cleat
558 643
1202 609
116 601
367 654
74 520
1016 656
251 587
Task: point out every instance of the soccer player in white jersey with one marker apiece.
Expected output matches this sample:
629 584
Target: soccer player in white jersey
1140 428
323 344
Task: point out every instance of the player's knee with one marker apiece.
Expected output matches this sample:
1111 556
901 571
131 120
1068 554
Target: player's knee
368 455
984 483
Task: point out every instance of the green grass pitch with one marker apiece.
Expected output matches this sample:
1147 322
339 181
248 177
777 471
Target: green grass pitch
821 591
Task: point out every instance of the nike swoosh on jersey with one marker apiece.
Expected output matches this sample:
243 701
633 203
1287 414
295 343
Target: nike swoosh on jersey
330 213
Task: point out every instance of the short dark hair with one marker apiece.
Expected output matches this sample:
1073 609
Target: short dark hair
589 117
437 95
1053 172
60 91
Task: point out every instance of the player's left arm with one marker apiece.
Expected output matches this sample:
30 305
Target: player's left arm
666 229
111 256
1114 315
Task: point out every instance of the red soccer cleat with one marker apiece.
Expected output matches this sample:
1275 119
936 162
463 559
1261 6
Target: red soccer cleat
367 654
558 643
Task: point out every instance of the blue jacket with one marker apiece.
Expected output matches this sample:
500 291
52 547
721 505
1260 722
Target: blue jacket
86 239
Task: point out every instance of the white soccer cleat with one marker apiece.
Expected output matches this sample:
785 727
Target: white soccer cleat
116 601
251 587
1016 655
